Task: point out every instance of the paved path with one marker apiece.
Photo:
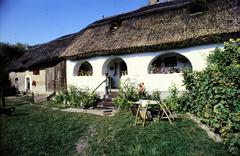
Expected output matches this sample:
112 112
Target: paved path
90 111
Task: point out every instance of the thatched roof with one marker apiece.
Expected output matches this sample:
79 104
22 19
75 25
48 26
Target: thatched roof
43 55
161 26
150 28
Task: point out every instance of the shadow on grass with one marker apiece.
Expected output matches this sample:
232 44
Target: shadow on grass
22 104
19 114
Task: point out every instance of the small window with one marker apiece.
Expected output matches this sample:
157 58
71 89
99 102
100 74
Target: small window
85 69
36 72
115 25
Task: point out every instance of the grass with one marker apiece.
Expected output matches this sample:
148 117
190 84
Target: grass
118 136
35 130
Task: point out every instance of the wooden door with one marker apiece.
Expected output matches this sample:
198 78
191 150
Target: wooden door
56 77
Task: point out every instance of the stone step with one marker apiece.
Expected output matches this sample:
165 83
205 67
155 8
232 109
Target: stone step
110 96
113 93
108 100
105 104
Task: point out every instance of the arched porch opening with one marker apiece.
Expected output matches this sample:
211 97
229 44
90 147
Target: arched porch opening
115 67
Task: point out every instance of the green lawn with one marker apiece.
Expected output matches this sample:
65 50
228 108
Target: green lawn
34 130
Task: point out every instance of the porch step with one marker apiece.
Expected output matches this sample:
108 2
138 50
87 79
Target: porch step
105 104
111 95
107 99
113 92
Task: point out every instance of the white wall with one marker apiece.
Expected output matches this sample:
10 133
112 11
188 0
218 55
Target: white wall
137 65
39 79
86 81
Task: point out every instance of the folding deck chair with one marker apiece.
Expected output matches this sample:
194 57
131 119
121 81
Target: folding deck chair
143 114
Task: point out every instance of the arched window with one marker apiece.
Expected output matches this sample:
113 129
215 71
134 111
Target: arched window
85 69
169 63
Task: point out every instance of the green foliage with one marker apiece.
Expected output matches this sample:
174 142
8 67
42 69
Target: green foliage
172 99
10 53
185 103
128 93
76 97
154 96
229 56
214 94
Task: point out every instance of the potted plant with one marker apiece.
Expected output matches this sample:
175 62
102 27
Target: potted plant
151 69
171 70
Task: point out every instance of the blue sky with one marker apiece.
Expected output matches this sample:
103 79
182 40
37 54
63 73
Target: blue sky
39 21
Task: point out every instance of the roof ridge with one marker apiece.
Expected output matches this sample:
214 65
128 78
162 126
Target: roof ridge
141 11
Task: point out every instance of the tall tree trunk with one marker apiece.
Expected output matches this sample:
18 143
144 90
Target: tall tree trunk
2 97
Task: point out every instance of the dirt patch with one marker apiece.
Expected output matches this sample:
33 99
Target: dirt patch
82 144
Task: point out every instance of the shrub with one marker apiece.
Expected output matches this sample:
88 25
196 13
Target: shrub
214 94
128 93
172 99
90 100
154 96
185 102
76 97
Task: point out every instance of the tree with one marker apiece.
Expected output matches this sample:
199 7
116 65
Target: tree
8 53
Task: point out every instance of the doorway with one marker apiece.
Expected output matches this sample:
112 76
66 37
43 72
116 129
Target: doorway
28 84
116 68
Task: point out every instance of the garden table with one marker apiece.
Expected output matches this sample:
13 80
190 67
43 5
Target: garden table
142 111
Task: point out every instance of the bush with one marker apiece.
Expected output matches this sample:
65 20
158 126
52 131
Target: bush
128 94
214 94
76 97
172 99
185 102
